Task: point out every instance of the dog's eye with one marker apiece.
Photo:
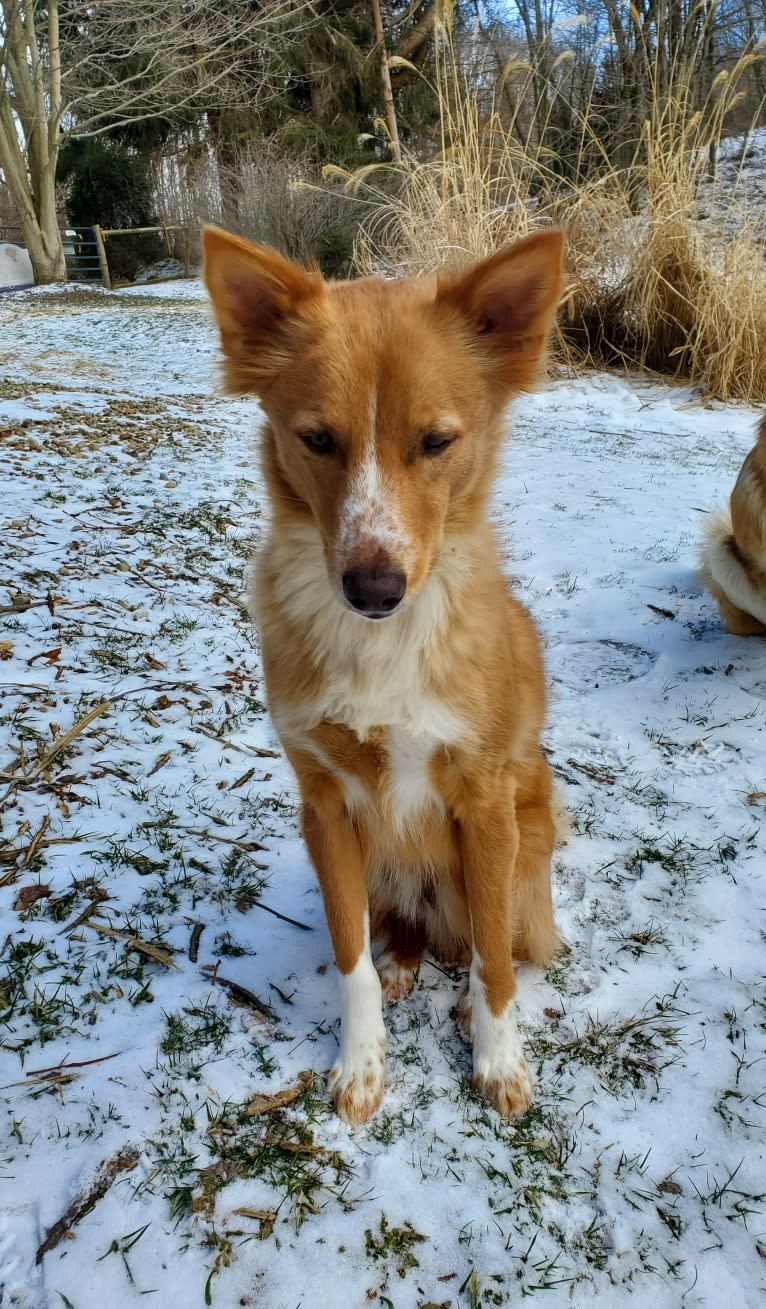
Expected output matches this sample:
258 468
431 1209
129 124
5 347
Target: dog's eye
319 440
433 443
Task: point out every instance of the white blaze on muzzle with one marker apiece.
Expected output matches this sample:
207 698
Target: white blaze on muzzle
370 521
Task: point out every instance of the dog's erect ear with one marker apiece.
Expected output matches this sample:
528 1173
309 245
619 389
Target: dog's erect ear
259 299
509 302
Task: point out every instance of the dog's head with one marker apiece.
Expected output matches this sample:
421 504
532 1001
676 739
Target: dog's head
384 399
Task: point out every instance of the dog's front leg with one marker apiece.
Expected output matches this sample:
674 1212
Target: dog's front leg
490 843
356 1080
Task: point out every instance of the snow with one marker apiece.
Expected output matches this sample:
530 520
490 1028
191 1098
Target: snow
132 499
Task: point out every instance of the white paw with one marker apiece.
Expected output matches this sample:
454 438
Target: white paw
356 1081
395 978
505 1080
500 1071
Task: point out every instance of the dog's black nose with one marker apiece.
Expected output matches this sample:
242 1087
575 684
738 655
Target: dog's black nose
374 591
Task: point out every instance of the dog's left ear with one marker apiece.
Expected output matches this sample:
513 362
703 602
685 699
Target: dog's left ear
262 303
509 303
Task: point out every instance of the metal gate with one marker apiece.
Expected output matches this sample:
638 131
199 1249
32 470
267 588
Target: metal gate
81 252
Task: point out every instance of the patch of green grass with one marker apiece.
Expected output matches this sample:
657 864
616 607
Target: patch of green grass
624 1053
276 1147
197 1028
641 940
395 1245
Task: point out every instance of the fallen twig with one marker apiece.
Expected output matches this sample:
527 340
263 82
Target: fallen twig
241 993
64 1067
304 927
124 1162
194 942
135 943
226 840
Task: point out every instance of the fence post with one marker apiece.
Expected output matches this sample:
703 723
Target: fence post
102 259
187 251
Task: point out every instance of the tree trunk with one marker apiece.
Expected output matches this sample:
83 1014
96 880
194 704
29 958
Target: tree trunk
39 223
385 74
46 251
29 136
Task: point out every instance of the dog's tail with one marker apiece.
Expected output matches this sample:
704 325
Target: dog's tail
725 572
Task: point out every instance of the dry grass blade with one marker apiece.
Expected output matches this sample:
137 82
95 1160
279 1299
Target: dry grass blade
31 850
52 1080
265 1104
256 750
61 743
134 943
261 1215
98 898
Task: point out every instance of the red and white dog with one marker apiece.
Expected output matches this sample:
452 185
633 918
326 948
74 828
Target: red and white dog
404 680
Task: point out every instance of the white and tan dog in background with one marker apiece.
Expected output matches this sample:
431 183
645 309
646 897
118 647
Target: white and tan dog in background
733 557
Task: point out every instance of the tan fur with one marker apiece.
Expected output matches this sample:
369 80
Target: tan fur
415 739
733 557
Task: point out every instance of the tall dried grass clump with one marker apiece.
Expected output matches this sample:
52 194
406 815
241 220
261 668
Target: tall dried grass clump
650 284
655 286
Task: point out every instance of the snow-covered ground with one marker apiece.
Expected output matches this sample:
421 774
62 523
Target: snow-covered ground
152 1004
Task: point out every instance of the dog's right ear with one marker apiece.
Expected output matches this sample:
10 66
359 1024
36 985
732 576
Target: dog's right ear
259 299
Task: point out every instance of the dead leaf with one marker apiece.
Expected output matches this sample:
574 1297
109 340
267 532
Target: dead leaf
6 649
669 1186
265 1104
153 662
755 796
161 761
295 1147
222 1171
29 895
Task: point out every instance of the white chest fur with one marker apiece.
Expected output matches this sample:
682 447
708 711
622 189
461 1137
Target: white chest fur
376 675
409 786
